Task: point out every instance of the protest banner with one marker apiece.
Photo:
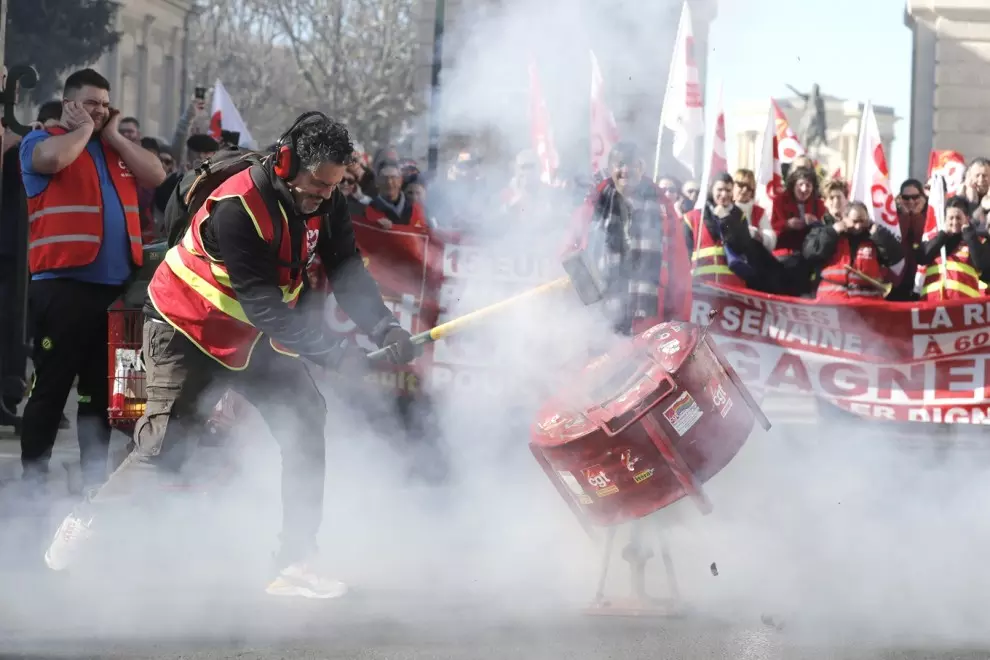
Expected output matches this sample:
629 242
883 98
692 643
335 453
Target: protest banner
920 362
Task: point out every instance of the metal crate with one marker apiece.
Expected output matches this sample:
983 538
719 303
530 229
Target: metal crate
126 365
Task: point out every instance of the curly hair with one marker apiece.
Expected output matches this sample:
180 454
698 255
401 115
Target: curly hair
806 174
322 140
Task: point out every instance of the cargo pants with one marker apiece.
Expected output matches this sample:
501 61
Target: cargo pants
183 384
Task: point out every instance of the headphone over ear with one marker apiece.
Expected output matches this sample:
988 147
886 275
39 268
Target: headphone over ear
286 160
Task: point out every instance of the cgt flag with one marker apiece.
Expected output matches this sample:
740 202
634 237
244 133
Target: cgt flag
871 179
788 145
682 115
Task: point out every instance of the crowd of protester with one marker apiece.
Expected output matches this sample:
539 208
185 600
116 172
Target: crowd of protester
813 243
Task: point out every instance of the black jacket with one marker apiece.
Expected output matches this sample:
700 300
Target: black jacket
822 240
229 235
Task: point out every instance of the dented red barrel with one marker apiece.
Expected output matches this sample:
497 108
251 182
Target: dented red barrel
644 426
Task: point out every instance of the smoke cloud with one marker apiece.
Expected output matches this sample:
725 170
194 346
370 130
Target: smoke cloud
834 528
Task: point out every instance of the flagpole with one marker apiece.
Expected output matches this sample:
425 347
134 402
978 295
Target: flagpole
663 108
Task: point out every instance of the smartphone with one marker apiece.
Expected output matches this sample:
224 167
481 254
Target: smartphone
200 93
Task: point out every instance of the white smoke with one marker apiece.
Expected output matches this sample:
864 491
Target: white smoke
830 527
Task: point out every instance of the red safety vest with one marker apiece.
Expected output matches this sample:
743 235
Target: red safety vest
191 290
961 279
838 283
66 219
708 262
417 219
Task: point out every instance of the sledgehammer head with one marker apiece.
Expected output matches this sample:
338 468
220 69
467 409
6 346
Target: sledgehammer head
585 278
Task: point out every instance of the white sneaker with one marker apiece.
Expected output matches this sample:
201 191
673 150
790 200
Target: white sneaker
69 537
300 580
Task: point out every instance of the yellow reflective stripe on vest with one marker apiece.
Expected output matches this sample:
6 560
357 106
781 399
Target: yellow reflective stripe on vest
711 270
210 293
704 253
189 244
954 285
289 294
957 266
223 279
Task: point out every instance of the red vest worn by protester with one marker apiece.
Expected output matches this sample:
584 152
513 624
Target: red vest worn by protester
786 207
66 219
191 290
961 279
838 283
709 263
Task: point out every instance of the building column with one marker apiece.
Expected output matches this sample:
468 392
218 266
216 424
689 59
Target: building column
142 69
951 51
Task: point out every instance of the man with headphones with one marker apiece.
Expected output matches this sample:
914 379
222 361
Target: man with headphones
221 313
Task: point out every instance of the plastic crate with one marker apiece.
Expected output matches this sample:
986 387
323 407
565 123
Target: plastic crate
126 365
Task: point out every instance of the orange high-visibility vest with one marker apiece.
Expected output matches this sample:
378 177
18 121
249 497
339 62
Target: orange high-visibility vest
191 289
66 219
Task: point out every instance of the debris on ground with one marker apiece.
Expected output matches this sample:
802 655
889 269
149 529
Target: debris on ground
768 620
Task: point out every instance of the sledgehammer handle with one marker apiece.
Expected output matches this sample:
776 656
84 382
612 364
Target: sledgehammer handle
452 326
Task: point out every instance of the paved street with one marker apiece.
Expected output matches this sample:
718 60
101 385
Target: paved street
829 543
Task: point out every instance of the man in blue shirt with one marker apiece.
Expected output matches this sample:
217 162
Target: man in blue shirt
73 281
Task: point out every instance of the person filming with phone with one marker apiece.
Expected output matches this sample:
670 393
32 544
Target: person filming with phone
81 178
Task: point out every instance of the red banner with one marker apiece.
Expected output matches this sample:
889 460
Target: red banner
921 362
406 264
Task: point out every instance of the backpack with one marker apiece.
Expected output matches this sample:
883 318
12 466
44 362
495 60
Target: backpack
195 186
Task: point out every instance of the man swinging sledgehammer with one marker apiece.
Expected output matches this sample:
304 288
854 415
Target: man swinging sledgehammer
221 312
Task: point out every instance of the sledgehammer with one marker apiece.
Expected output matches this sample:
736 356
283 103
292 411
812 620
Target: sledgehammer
581 274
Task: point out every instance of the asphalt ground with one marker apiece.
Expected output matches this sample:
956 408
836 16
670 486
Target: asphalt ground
830 542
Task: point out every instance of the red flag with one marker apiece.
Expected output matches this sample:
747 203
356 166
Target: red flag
540 130
788 145
951 165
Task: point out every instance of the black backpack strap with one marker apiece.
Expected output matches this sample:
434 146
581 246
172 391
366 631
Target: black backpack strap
260 180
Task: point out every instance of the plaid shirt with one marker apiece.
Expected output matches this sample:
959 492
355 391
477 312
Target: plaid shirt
639 249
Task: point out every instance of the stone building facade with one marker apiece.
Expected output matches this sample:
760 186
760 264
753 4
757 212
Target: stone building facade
950 81
146 68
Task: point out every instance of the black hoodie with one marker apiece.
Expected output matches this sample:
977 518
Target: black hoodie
251 262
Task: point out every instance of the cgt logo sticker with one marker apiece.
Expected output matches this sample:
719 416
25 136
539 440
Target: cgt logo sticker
597 479
720 398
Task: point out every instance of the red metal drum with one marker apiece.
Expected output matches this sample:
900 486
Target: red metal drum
644 426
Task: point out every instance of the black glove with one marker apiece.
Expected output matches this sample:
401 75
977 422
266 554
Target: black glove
400 349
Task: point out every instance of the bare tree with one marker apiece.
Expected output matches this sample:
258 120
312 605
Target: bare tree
358 58
353 59
238 44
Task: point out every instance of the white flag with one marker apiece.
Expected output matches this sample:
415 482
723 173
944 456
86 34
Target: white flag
225 117
871 180
682 112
